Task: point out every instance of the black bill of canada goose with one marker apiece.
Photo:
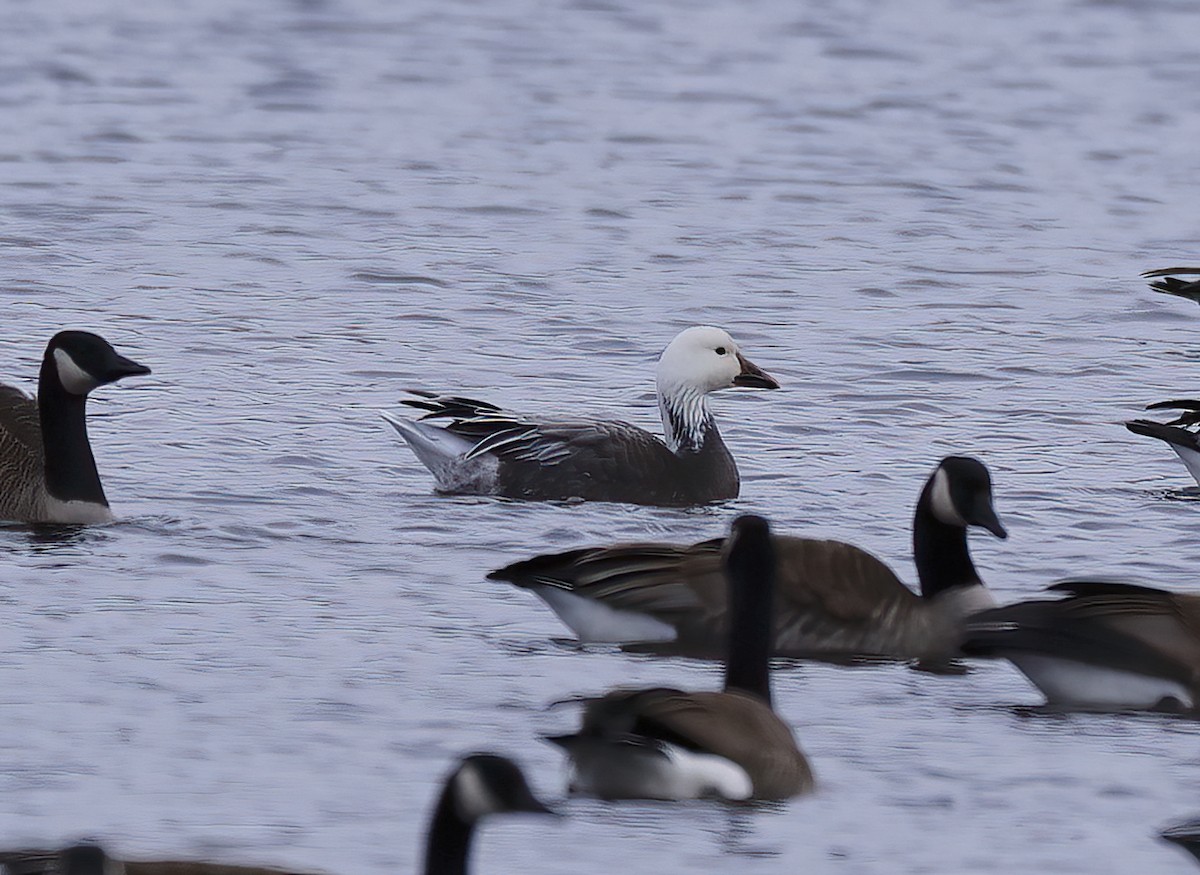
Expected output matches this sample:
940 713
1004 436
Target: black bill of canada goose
481 785
1186 835
484 450
1102 646
662 743
833 600
47 471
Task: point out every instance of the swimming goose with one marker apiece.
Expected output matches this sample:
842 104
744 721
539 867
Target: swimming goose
1103 646
47 471
834 600
1166 283
1177 433
487 451
662 743
481 785
1186 835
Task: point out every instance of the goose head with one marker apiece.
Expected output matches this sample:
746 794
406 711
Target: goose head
81 361
703 359
960 495
485 784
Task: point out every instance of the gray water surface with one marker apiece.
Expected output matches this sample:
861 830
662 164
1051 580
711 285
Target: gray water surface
925 218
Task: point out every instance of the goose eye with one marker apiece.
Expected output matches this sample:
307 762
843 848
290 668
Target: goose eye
720 350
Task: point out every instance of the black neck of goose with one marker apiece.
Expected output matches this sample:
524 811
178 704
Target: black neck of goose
71 473
751 593
940 550
449 842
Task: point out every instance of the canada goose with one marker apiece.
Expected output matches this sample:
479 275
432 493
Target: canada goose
1186 835
834 599
1103 646
481 785
661 743
487 451
47 471
1177 433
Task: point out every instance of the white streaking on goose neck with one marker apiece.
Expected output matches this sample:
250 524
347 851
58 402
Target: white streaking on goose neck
685 416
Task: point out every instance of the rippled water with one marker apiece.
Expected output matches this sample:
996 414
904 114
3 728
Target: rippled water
926 219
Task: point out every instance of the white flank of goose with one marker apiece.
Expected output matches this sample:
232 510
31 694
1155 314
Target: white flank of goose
1102 646
484 450
662 743
47 471
833 600
480 786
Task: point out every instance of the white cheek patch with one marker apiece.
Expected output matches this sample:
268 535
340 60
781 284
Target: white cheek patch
74 379
942 504
472 797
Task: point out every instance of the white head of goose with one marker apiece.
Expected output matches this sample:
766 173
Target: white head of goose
47 471
480 786
1102 646
662 743
834 600
484 450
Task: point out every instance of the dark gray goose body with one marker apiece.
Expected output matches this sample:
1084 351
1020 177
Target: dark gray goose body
47 471
485 450
833 600
480 786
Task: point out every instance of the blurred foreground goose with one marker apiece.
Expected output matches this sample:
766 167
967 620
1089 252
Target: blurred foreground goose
833 600
481 785
484 450
47 471
662 743
1103 646
1186 835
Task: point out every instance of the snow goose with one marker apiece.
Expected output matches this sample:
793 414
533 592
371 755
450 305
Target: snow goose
662 743
481 785
47 471
835 600
484 450
1103 646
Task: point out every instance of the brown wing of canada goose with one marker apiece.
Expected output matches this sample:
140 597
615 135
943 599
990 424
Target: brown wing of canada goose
736 726
22 469
830 596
